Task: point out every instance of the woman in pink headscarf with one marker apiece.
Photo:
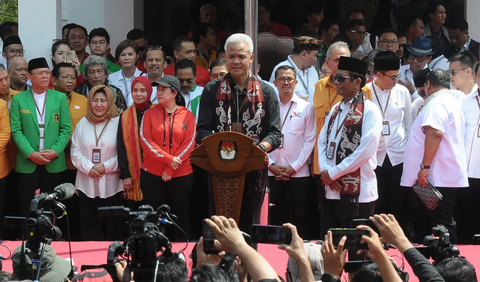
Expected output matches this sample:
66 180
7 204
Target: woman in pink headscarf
128 142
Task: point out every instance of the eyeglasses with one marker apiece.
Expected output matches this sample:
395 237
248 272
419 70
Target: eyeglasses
393 77
361 33
68 78
286 79
454 72
156 47
17 51
41 73
187 81
101 101
341 78
419 59
217 75
388 42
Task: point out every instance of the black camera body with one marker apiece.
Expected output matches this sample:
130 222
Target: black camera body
145 242
438 246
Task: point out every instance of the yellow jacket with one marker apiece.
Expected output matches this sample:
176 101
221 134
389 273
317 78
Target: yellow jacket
78 109
324 98
4 138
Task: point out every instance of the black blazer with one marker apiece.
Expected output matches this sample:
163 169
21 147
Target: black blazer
474 47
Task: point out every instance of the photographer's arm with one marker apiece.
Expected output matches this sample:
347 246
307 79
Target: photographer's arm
376 252
296 251
230 239
392 233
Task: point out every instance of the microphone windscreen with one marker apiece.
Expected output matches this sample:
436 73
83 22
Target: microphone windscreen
67 190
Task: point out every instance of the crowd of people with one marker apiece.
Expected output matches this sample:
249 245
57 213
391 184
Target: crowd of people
355 123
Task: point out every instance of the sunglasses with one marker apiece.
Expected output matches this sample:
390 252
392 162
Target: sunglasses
454 72
156 47
341 78
393 77
419 59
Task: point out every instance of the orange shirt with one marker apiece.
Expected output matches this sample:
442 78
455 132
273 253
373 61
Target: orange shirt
164 137
78 109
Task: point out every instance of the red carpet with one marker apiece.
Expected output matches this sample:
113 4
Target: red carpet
93 253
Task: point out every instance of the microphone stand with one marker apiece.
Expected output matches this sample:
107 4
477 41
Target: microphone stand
37 258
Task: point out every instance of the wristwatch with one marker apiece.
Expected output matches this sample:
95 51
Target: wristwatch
261 146
422 166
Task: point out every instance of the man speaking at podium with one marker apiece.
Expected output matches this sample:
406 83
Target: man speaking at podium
240 102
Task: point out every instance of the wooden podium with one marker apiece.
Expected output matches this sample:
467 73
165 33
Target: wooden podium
228 156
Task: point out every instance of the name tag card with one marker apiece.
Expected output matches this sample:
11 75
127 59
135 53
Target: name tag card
96 156
331 150
42 130
386 127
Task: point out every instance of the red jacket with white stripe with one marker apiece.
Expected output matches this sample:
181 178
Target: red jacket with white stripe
161 144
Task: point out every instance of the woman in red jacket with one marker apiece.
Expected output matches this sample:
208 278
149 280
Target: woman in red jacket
167 137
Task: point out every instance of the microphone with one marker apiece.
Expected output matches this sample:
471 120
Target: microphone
62 192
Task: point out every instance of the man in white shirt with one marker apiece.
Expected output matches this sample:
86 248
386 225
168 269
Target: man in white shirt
461 72
155 63
305 50
347 148
467 212
186 73
289 177
436 154
356 31
420 54
394 103
388 40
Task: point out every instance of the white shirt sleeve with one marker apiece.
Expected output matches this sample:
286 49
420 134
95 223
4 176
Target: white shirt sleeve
322 143
408 118
79 160
371 133
308 140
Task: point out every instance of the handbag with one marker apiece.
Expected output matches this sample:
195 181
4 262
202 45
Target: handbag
429 195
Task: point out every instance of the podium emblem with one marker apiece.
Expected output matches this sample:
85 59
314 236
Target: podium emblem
227 150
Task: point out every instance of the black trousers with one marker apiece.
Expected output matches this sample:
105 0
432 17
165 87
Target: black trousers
467 211
251 203
28 183
393 198
199 207
443 214
176 193
95 228
290 200
332 215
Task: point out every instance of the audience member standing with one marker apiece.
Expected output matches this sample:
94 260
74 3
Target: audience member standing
12 47
41 127
289 175
266 25
304 54
461 41
167 138
436 153
128 140
395 104
18 71
420 54
59 55
4 163
94 154
78 39
138 36
436 28
96 73
127 55
467 210
205 39
155 63
99 44
186 72
461 70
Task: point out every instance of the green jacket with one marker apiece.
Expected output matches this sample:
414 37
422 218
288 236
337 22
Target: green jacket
26 132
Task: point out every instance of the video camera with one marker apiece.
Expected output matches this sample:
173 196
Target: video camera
438 246
146 240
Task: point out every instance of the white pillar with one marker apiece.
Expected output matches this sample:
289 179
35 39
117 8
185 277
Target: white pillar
39 23
472 7
116 16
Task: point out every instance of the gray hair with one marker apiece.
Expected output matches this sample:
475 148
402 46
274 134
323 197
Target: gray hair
94 60
440 78
2 67
240 38
337 45
207 6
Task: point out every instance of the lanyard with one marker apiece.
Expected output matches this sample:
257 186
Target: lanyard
97 138
286 115
380 104
299 74
43 109
207 66
340 126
